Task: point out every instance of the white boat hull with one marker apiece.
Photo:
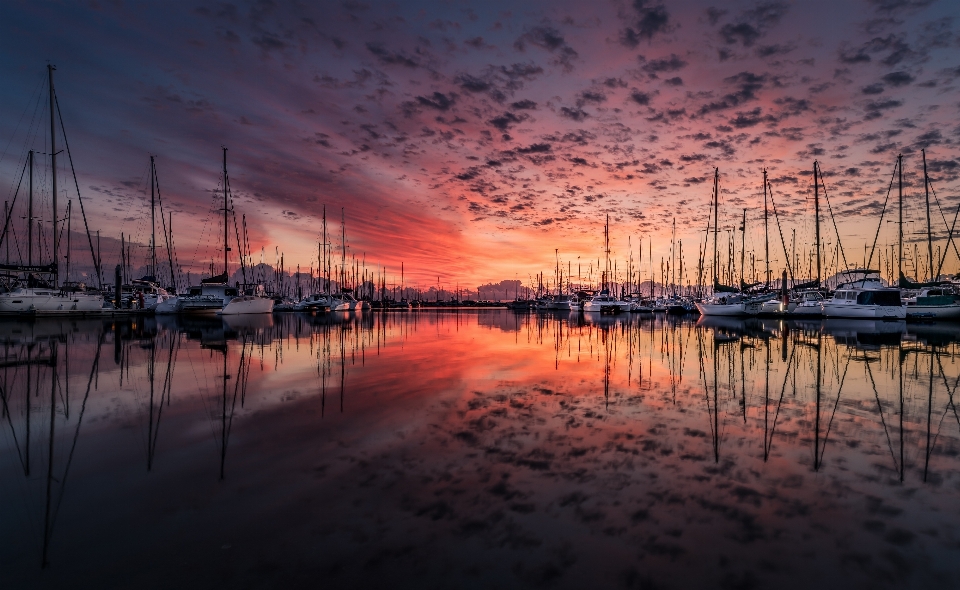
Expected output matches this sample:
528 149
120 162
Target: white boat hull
729 309
937 312
873 312
247 304
44 302
614 306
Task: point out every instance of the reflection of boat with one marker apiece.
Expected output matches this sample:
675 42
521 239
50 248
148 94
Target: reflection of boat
249 322
864 332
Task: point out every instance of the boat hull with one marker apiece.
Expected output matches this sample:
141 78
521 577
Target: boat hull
53 303
870 312
935 312
729 309
247 305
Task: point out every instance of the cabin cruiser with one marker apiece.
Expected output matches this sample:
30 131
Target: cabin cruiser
315 302
605 302
865 297
936 303
565 303
809 305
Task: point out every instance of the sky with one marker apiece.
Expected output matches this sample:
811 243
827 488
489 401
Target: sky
480 141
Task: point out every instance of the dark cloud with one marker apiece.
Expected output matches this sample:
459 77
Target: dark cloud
576 114
672 63
715 14
645 19
898 78
523 105
747 83
535 148
893 45
896 6
388 57
550 39
874 109
591 97
747 119
876 88
776 49
472 83
752 24
675 81
641 98
507 120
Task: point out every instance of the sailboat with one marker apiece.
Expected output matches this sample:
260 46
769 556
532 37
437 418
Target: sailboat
40 292
604 301
215 295
149 286
932 299
726 301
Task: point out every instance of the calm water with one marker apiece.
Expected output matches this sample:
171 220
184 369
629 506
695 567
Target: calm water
479 449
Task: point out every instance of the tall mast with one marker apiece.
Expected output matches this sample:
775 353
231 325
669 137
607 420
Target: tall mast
743 248
53 168
343 258
766 236
673 263
153 222
606 239
226 209
900 222
816 214
716 207
30 214
926 190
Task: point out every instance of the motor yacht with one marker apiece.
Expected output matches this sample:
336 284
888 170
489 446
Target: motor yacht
865 297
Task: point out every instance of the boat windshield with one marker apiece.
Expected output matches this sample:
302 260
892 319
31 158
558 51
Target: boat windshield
888 298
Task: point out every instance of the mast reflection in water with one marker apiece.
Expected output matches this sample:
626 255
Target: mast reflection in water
480 448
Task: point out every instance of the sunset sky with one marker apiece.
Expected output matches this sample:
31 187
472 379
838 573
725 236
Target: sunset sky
469 140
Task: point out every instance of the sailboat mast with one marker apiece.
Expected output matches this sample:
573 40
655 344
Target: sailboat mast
926 190
743 248
30 214
343 242
153 222
900 222
226 208
766 235
53 170
816 214
716 229
606 234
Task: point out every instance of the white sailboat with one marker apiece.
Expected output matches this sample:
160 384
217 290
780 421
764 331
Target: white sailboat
39 295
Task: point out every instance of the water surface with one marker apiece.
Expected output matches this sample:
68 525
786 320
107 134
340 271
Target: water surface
478 449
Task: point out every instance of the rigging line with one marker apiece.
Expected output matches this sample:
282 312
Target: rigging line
835 405
783 242
163 221
950 239
783 389
6 224
832 218
83 213
76 434
882 211
882 420
39 96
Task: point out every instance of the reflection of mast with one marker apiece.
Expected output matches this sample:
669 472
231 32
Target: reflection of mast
926 460
53 415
